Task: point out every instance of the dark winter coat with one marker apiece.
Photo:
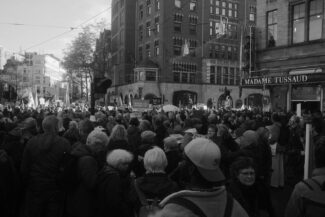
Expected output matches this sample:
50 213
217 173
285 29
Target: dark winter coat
156 185
254 199
80 201
41 160
134 137
119 144
173 159
113 194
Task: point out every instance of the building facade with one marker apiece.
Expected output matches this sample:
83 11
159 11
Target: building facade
291 54
42 74
187 51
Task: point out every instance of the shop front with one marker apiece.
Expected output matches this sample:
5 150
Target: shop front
287 91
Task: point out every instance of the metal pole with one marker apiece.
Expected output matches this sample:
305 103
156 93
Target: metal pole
307 150
250 51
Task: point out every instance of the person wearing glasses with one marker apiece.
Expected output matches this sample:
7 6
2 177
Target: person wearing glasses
252 194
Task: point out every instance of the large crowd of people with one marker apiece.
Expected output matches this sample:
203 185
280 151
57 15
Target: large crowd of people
65 162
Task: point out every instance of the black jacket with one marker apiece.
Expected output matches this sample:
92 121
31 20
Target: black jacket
80 201
112 194
41 160
156 185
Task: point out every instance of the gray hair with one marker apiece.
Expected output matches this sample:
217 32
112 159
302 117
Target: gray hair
118 156
155 160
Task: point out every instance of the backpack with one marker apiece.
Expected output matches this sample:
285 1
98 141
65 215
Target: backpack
148 206
68 176
313 202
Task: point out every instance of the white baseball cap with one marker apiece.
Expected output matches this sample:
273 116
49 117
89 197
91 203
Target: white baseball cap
206 156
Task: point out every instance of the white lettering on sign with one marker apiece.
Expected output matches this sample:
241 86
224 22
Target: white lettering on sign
276 80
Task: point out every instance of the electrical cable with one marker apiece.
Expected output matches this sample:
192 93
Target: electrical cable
71 29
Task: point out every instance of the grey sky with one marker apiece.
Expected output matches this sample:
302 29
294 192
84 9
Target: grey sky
46 19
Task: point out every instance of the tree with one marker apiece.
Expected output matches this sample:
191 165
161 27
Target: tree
79 58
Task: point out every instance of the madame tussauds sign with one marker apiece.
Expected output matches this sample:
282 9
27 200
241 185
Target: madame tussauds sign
277 80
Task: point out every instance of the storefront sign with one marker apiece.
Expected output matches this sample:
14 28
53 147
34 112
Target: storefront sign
277 80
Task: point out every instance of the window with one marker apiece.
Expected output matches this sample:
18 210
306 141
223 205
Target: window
237 81
217 11
235 53
156 47
140 12
219 73
298 26
223 12
272 28
223 52
157 24
44 90
211 28
176 77
232 76
140 33
225 75
315 19
217 51
192 29
150 76
193 5
148 52
229 53
148 29
212 74
192 78
177 51
184 78
178 27
157 5
252 13
148 10
178 3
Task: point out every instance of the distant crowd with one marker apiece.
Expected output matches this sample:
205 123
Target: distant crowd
66 162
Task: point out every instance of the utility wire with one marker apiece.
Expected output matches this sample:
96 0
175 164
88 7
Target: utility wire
36 25
71 29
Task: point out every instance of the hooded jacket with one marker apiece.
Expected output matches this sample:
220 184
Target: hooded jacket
212 203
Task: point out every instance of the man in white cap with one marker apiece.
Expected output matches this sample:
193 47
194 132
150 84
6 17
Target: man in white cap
205 194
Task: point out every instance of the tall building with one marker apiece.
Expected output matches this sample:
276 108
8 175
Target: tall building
122 33
42 74
186 51
291 54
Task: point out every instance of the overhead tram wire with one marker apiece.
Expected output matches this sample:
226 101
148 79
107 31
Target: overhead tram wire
35 25
71 29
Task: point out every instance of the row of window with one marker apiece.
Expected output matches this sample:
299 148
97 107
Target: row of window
306 22
223 52
184 67
223 75
192 4
149 5
148 51
149 29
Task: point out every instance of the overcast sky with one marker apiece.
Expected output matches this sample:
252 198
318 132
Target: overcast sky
46 19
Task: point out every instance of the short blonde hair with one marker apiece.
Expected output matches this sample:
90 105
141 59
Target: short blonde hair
155 160
118 156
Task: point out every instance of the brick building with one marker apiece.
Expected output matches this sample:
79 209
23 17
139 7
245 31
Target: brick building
291 54
184 50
